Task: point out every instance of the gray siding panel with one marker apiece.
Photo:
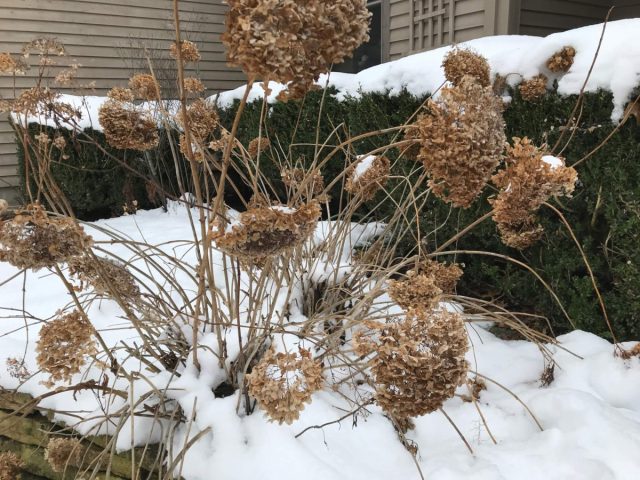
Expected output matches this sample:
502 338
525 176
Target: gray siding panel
105 37
543 17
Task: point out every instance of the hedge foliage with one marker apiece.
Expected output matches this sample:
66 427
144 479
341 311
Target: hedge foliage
604 212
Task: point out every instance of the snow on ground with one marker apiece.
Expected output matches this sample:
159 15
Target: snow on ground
517 57
590 414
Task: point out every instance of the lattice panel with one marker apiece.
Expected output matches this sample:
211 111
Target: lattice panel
427 25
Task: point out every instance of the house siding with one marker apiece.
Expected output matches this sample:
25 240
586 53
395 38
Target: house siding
106 38
543 17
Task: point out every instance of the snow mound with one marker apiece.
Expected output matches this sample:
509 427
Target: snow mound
516 57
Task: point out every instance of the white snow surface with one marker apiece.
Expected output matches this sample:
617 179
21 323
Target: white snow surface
364 164
590 414
518 57
617 67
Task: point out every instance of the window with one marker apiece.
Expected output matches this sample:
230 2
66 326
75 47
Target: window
370 53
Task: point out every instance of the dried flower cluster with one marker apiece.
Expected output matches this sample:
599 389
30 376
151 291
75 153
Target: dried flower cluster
62 453
265 231
463 138
258 145
202 119
63 344
311 183
10 466
418 363
533 88
193 85
106 276
144 86
368 175
460 62
293 41
17 369
416 291
120 94
528 181
561 61
8 64
29 238
43 47
125 126
283 382
189 51
67 76
43 102
445 276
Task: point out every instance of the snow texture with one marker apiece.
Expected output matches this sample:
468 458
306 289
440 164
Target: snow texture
516 57
589 415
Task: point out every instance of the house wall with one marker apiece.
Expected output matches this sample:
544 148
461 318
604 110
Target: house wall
106 37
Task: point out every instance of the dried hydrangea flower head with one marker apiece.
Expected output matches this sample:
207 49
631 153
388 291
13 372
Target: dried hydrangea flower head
202 118
194 85
62 453
189 51
106 276
310 183
534 88
293 41
445 276
11 65
63 344
266 231
144 86
562 60
418 361
368 175
283 383
460 62
258 145
29 238
10 466
462 136
416 291
126 126
4 205
529 180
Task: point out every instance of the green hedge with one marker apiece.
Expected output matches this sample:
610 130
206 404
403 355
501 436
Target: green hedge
95 183
604 212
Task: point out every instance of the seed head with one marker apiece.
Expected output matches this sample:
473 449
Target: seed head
106 276
193 85
311 183
258 145
11 65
